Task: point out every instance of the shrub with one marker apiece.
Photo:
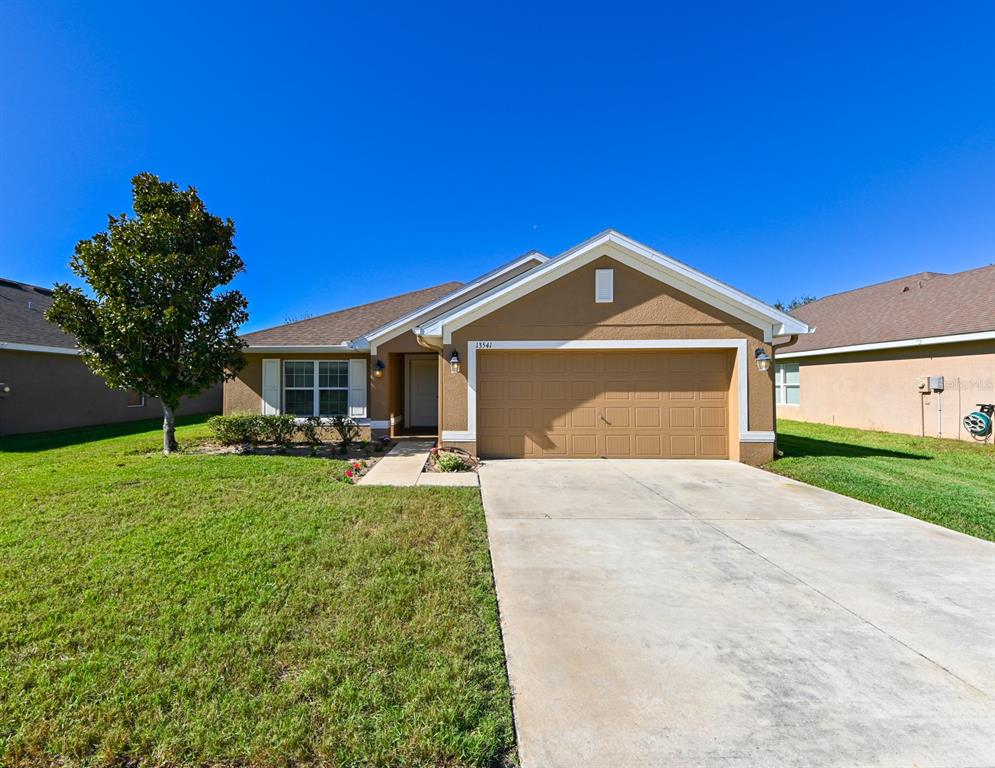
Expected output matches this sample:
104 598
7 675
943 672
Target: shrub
236 428
277 428
311 432
450 462
348 431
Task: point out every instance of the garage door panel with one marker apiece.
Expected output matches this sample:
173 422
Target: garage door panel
521 418
584 418
618 445
647 404
617 418
496 417
683 446
649 446
712 417
584 446
681 418
521 389
714 446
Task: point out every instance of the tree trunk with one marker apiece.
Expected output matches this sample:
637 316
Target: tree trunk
168 429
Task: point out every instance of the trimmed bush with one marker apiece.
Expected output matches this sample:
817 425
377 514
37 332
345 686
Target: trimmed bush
277 428
311 432
450 462
348 431
235 429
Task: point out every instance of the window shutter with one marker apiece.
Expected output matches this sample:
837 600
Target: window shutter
357 388
604 286
271 386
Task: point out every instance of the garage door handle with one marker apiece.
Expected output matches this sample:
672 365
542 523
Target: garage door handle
605 420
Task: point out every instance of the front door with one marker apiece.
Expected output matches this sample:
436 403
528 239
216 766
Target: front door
422 397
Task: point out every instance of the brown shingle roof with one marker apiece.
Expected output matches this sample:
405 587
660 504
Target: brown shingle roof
348 324
913 307
22 316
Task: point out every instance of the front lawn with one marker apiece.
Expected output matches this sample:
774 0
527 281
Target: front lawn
239 610
947 482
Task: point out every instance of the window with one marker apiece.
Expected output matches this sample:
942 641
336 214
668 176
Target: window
136 399
316 387
787 383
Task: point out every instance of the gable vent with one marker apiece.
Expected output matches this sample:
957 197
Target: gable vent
604 286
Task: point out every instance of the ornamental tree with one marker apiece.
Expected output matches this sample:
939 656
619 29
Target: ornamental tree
157 321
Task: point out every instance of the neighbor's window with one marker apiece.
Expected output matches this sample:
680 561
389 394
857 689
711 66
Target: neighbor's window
315 387
136 399
787 383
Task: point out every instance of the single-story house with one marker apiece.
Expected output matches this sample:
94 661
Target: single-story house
610 349
44 385
881 351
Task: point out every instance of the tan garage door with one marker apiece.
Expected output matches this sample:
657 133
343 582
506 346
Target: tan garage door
610 404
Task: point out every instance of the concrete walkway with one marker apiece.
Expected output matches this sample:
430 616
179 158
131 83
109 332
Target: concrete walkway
402 465
711 614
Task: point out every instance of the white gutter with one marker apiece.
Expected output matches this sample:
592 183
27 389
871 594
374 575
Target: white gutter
903 343
16 346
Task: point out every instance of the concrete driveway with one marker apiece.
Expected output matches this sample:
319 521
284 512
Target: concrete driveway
711 614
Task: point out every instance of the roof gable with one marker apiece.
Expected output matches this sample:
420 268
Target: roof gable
633 254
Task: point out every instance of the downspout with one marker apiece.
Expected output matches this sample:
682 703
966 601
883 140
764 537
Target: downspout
773 354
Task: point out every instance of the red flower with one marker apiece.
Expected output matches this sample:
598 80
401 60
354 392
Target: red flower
356 465
348 473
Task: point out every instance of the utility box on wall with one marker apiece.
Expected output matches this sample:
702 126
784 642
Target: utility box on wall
936 383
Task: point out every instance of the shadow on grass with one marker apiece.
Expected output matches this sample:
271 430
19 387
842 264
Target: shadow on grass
795 446
45 441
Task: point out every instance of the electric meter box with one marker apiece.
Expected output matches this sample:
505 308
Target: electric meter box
936 383
922 383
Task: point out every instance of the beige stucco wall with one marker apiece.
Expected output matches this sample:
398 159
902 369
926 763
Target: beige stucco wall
58 392
877 390
643 308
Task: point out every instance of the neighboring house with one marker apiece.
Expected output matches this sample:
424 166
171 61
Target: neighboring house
869 362
609 349
44 385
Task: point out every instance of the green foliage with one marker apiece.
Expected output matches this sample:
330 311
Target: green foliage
311 432
792 305
450 462
277 428
156 321
235 429
347 429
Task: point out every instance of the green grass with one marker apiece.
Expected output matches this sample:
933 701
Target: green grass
947 482
239 610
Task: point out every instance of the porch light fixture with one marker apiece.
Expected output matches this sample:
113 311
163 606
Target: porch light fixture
378 369
763 360
454 362
4 389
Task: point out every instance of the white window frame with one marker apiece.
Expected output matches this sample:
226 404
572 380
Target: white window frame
781 385
141 399
315 388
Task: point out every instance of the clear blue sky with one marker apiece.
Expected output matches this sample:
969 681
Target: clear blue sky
368 150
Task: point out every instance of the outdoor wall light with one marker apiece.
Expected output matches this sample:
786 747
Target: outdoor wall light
378 369
454 362
763 360
4 389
